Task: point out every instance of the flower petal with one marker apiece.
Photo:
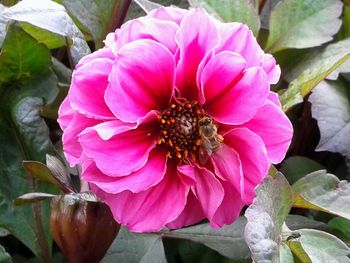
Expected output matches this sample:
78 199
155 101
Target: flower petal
142 80
238 38
228 167
104 53
169 13
220 74
241 101
208 189
192 213
274 127
151 209
125 149
272 70
147 176
72 148
273 97
87 91
230 207
147 28
253 156
65 114
196 37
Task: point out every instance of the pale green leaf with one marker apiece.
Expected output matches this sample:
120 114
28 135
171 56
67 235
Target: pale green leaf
242 11
303 23
4 256
286 255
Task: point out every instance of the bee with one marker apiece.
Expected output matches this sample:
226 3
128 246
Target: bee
209 139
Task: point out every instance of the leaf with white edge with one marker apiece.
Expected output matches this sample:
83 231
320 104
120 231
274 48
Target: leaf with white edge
323 247
315 59
53 17
242 11
323 192
303 23
30 198
265 218
130 247
311 77
147 6
4 256
330 106
228 240
3 24
94 15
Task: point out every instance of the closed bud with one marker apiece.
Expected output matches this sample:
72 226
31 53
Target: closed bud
82 227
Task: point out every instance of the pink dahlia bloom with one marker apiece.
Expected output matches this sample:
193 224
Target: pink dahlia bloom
173 121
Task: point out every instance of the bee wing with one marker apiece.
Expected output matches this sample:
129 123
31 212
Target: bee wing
205 151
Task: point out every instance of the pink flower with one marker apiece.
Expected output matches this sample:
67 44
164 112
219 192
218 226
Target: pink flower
173 121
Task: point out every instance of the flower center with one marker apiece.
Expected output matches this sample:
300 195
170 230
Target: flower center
187 131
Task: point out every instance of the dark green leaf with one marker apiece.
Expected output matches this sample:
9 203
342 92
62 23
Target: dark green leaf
228 240
232 11
317 70
342 225
323 247
51 17
266 216
93 15
295 222
330 106
4 256
296 167
324 192
32 198
303 23
345 29
129 248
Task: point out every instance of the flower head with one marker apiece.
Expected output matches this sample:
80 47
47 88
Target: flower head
173 121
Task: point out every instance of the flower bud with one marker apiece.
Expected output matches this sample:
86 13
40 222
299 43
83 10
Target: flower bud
82 227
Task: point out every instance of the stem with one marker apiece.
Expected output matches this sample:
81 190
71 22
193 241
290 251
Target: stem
261 5
119 12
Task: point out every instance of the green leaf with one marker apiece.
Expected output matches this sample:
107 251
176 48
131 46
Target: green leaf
228 240
51 17
286 255
299 252
18 61
3 24
266 216
324 192
311 72
93 15
323 247
345 29
232 11
32 198
330 106
303 23
4 256
296 167
295 222
129 248
342 225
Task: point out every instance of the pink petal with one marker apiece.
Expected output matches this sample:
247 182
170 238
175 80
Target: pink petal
110 39
220 74
273 126
228 167
196 37
65 114
147 28
253 156
142 80
272 70
125 149
241 101
170 13
151 209
147 176
238 38
103 53
193 213
208 189
230 207
273 97
72 148
89 83
186 175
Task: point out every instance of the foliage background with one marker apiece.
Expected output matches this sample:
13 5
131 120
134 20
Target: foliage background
300 214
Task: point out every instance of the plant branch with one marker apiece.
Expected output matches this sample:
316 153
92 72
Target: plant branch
119 12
